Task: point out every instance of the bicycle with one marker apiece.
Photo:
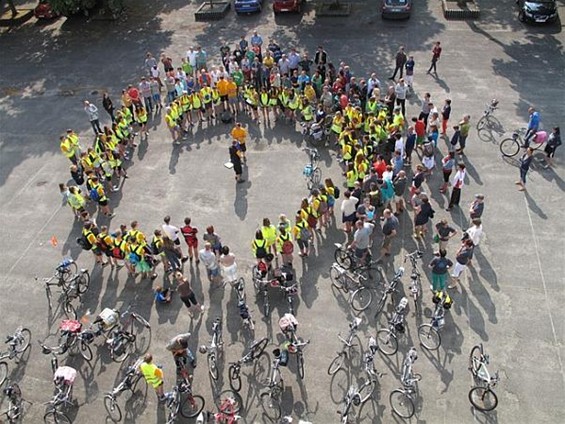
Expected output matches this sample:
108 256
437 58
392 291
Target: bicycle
415 286
190 407
229 404
130 381
215 349
71 339
261 283
15 410
402 400
317 133
353 283
390 288
511 146
295 345
345 257
73 285
485 120
271 399
276 278
429 334
312 173
338 361
481 395
387 340
124 337
244 313
17 345
63 378
284 281
255 350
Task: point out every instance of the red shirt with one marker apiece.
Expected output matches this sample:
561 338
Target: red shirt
133 94
380 167
420 128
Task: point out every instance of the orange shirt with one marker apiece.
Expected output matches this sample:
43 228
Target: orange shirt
222 86
232 89
239 133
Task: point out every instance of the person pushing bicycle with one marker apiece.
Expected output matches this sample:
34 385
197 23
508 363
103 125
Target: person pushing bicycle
178 346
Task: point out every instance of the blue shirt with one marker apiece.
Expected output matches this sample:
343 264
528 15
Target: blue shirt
256 40
533 124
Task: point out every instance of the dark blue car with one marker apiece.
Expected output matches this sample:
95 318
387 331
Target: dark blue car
248 6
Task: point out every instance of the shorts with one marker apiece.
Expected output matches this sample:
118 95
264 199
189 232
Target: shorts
458 269
233 100
387 241
103 202
302 244
177 241
224 98
360 253
191 242
214 272
243 147
398 198
208 105
349 218
142 266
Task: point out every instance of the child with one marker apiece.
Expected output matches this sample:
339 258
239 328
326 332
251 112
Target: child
162 295
191 239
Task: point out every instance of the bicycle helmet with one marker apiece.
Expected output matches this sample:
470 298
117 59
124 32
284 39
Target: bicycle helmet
203 349
447 302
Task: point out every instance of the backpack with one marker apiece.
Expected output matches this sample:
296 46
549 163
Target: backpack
287 247
261 251
83 241
305 233
226 117
428 149
323 208
93 194
337 192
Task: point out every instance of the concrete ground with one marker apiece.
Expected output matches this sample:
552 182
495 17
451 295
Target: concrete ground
510 300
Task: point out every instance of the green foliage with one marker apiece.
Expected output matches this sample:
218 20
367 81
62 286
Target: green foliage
71 7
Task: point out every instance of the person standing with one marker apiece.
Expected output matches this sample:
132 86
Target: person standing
400 61
464 128
108 106
401 90
457 183
477 207
447 165
553 142
390 229
208 258
228 266
436 53
462 258
173 233
178 346
92 112
186 293
444 233
153 375
425 111
422 214
348 210
362 240
525 162
440 266
235 159
533 126
445 113
190 237
410 71
239 133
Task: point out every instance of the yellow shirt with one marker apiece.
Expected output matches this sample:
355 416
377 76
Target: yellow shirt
239 133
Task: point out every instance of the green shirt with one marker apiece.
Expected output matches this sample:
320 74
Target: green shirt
238 78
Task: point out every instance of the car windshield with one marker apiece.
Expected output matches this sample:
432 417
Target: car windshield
396 2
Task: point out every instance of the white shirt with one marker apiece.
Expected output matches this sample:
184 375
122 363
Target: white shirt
155 73
191 57
458 179
475 234
400 90
208 258
348 206
171 231
399 146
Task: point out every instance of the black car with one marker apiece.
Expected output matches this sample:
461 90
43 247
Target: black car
537 10
396 9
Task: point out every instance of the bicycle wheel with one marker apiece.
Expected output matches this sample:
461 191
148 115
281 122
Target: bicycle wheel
121 349
343 258
22 340
401 403
509 147
141 344
258 347
361 299
234 377
69 309
255 277
83 281
474 359
235 402
381 304
112 408
366 390
191 406
336 364
65 275
266 306
56 417
387 342
337 278
316 177
85 350
3 372
300 364
429 337
212 366
309 182
483 398
271 406
482 123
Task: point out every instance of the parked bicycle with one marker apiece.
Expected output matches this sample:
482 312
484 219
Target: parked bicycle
512 145
387 339
415 286
123 339
429 334
229 404
15 411
348 344
485 120
403 400
215 349
345 257
481 395
234 371
390 288
182 401
352 283
73 285
285 282
244 313
294 344
312 173
71 340
129 382
271 399
17 345
315 133
63 378
281 278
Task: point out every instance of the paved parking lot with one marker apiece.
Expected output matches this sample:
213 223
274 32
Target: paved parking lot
510 301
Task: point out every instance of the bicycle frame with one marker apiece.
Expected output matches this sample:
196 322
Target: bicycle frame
390 288
415 276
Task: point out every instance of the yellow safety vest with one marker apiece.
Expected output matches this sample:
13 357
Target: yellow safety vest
264 99
149 371
351 178
196 101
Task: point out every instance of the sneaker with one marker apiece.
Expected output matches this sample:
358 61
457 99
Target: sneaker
111 215
155 275
184 259
106 263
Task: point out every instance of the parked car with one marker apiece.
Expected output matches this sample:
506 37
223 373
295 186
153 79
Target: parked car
537 10
396 9
44 11
280 6
248 6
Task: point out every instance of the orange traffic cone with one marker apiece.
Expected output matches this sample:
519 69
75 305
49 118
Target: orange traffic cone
54 241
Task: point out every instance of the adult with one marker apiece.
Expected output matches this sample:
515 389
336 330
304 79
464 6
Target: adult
362 240
553 142
525 162
153 375
445 114
477 206
208 258
214 239
423 213
447 165
401 90
186 293
390 230
150 62
228 265
440 266
462 258
424 114
444 233
348 210
178 346
464 128
235 159
399 183
410 71
457 183
189 233
92 112
400 61
174 234
240 134
436 54
108 106
534 121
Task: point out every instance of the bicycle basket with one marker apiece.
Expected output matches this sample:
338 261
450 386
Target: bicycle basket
243 310
282 356
70 326
288 322
66 374
307 170
109 317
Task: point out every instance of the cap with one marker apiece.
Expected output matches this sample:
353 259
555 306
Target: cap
479 196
